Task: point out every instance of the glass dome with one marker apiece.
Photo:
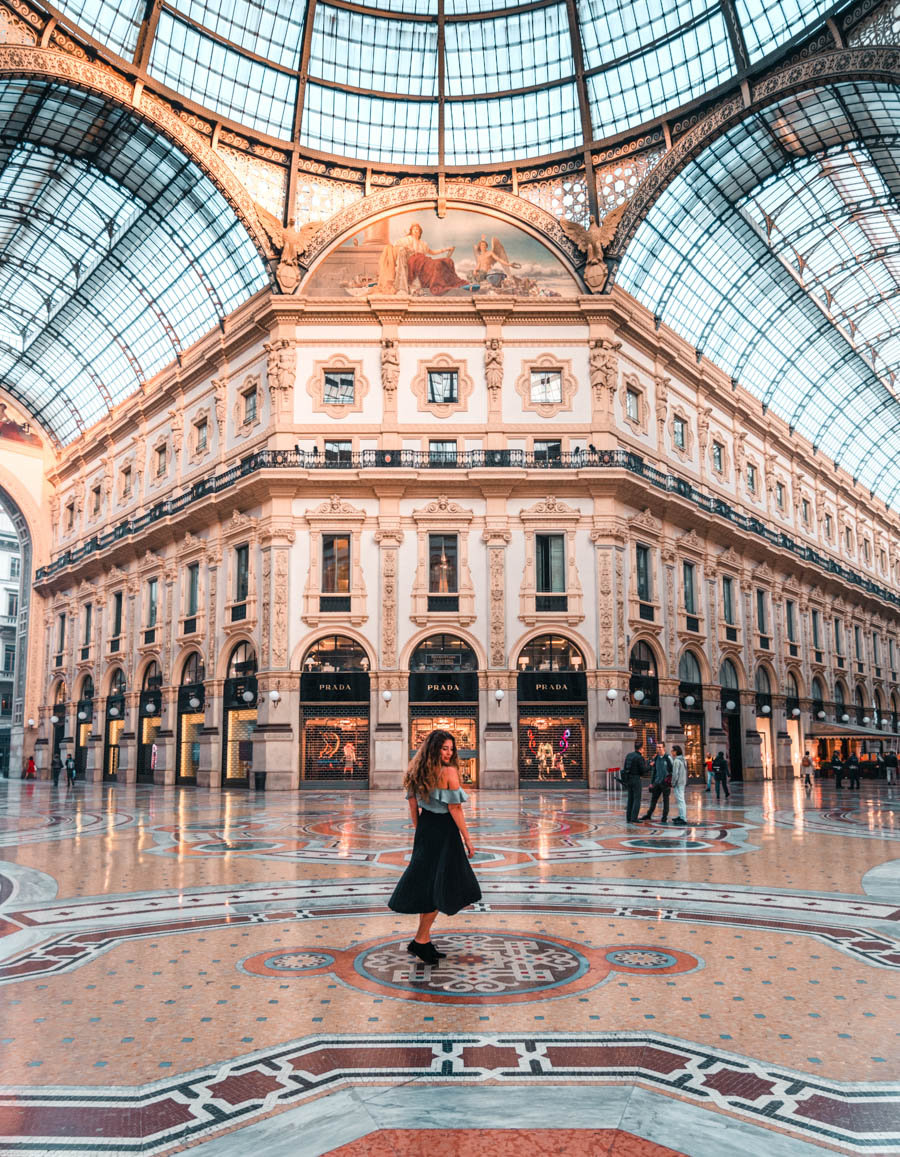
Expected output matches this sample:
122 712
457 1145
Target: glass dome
443 82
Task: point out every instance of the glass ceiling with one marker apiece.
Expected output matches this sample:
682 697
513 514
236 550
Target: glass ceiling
512 78
115 254
777 254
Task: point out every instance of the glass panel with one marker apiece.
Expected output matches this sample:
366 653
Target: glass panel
504 128
273 29
443 386
336 653
369 127
530 48
335 747
108 21
689 668
644 585
546 386
443 653
688 575
400 56
552 747
338 388
336 564
443 575
550 562
240 725
241 573
189 750
550 653
767 25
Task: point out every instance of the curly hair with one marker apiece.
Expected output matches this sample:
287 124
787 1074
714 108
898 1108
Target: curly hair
425 768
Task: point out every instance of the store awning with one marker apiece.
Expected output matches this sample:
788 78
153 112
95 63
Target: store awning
828 730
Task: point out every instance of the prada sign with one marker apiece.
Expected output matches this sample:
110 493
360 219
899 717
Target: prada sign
443 687
544 686
341 686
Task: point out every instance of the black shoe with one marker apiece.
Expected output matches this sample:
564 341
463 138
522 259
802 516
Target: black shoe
440 955
642 820
425 952
682 823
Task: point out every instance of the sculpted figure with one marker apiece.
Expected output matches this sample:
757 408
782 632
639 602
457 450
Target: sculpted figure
289 242
592 242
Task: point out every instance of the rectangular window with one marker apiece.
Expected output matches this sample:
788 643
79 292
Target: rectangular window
335 564
6 704
441 453
152 602
876 649
866 549
241 572
761 612
804 511
679 432
192 594
160 461
751 477
117 615
250 404
338 451
857 643
95 500
442 564
546 387
644 581
728 599
790 620
15 564
550 560
12 604
838 637
61 632
88 624
339 388
882 560
548 450
126 482
201 436
633 405
779 495
70 516
848 538
891 654
9 660
443 386
690 605
828 530
816 631
718 457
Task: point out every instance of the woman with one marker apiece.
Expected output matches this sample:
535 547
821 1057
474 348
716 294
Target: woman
439 878
679 783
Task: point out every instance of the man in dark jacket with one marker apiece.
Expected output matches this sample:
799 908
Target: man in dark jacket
55 768
660 783
890 766
635 767
837 766
853 770
720 771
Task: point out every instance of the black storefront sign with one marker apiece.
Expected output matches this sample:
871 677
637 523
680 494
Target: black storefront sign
340 686
552 686
443 687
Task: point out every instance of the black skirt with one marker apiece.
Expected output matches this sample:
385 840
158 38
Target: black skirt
439 876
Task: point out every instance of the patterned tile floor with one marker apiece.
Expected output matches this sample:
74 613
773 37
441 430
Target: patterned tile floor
184 970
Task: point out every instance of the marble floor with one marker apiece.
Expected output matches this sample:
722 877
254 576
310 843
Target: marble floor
220 972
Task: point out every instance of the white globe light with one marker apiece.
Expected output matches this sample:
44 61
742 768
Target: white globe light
766 709
612 694
499 694
845 718
274 696
150 708
113 711
689 700
795 712
248 696
386 696
820 714
31 723
638 696
730 705
866 720
54 719
193 702
82 715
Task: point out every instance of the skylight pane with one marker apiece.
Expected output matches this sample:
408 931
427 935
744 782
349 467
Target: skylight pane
370 128
484 131
400 56
109 22
768 24
273 29
486 56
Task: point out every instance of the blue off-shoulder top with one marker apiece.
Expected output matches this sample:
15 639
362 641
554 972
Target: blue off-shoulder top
440 799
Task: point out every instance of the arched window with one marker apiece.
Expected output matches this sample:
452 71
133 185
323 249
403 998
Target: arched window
763 684
336 653
793 688
643 660
87 689
860 697
879 702
551 653
194 670
60 696
152 677
839 694
689 668
242 662
443 653
728 676
818 691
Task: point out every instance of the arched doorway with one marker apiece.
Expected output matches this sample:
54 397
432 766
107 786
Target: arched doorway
820 715
552 702
15 594
861 713
191 704
643 696
334 714
115 724
730 698
794 720
240 698
763 687
84 721
149 722
58 723
690 701
443 692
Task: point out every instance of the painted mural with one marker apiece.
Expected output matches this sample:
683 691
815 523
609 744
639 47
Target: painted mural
419 254
14 430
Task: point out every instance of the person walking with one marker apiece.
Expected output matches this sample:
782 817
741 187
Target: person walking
679 783
439 877
837 766
890 766
708 767
853 770
55 768
70 770
806 769
660 784
635 766
720 771
30 769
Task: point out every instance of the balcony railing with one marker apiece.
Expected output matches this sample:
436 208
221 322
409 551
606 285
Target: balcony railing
469 460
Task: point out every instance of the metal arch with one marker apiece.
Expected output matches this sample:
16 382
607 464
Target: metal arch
814 386
848 65
884 404
11 385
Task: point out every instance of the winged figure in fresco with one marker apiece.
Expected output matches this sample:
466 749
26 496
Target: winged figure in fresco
491 262
289 242
592 241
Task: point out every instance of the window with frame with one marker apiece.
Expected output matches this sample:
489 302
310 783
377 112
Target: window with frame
441 452
6 703
161 458
9 660
804 511
61 632
70 516
728 600
546 387
644 574
761 617
882 560
866 551
339 388
338 451
241 572
876 649
95 500
201 436
790 620
891 653
857 643
126 478
633 405
15 566
816 631
548 450
117 604
848 537
335 564
443 564
751 477
688 584
152 603
779 495
718 457
838 637
87 624
192 590
251 404
443 386
828 526
550 563
679 432
12 604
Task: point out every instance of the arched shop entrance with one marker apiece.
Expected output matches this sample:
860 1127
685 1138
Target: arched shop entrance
643 697
149 723
690 700
191 705
334 714
552 701
820 715
764 720
58 723
240 699
794 720
115 724
443 692
730 698
84 721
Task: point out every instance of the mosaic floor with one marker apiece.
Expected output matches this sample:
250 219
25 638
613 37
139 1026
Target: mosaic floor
221 973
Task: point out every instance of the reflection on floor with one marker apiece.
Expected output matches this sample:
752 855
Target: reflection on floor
221 972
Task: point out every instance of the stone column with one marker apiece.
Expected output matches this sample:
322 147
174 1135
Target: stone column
209 773
613 738
604 347
753 759
166 756
127 772
276 740
388 756
93 759
498 758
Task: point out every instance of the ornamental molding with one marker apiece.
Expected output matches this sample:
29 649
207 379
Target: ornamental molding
554 507
335 505
646 521
443 508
